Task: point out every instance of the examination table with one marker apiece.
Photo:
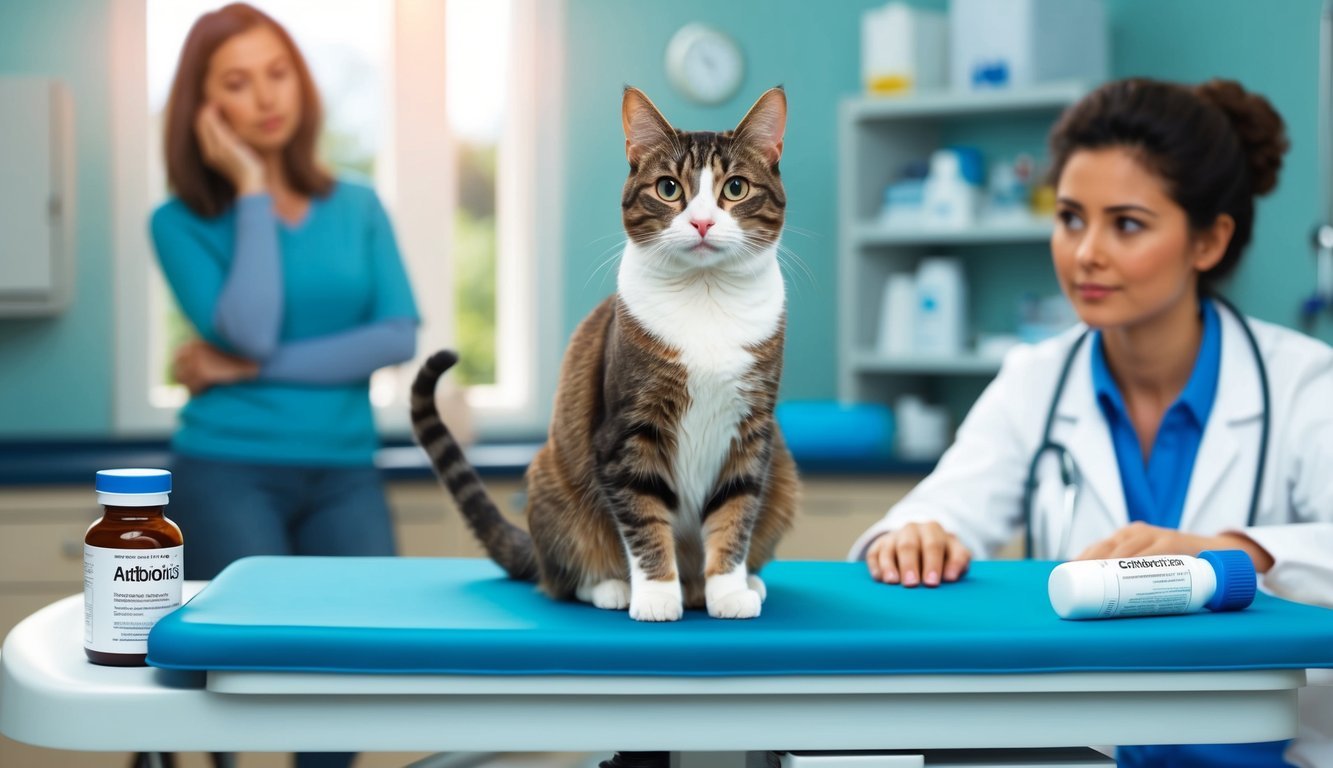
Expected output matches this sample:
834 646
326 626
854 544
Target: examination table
366 654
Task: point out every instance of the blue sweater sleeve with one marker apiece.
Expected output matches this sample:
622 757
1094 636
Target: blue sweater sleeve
346 357
192 264
387 338
248 312
219 298
194 260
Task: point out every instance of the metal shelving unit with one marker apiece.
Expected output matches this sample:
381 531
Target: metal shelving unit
877 137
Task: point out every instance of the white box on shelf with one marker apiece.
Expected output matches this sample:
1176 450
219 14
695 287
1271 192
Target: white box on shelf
923 430
1022 43
903 49
897 316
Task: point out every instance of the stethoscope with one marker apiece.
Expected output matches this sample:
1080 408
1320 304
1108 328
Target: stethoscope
1072 478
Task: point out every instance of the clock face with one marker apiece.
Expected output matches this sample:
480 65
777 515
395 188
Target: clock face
704 64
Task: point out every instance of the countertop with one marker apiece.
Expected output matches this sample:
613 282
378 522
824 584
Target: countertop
75 462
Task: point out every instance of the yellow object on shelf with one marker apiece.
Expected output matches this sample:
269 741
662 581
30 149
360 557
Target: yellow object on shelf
1043 200
889 85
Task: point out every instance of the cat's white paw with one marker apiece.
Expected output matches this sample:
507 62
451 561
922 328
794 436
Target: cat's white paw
656 601
611 595
757 584
742 604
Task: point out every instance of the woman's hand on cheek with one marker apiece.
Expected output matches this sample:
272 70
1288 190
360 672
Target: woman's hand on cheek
226 153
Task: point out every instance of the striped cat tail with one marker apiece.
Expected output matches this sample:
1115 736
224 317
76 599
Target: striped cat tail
508 545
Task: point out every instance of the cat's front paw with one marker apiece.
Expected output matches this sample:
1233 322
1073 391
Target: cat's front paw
741 604
611 595
757 584
656 602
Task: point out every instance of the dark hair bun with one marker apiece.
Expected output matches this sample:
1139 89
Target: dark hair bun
1263 135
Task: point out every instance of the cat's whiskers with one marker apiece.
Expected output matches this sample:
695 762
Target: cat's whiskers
792 257
798 231
617 250
789 257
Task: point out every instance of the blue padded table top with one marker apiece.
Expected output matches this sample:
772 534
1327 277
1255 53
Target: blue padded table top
463 616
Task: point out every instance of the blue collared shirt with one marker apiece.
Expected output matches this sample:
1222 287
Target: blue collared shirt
1155 489
1155 494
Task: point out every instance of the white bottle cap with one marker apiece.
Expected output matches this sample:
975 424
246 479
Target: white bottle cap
1075 595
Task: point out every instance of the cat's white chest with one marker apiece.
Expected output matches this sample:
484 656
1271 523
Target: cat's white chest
713 330
717 405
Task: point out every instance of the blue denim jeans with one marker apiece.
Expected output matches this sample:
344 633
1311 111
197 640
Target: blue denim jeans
227 510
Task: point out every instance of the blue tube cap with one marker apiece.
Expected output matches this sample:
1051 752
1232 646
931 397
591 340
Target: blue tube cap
133 481
1236 580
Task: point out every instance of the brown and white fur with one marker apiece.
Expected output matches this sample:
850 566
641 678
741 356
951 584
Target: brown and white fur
664 482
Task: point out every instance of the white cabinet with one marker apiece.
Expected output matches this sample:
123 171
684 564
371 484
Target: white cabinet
878 137
36 197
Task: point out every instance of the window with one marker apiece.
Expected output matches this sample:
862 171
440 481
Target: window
455 157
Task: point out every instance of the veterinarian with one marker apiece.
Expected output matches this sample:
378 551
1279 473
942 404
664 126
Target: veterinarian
1166 421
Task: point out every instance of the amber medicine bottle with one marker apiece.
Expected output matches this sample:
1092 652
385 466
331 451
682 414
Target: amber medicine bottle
132 566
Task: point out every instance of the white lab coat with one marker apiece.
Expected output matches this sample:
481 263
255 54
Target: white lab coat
976 490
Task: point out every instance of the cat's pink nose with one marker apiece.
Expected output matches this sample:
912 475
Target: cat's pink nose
702 225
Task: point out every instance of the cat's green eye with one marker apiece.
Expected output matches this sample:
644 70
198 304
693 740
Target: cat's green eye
668 189
736 188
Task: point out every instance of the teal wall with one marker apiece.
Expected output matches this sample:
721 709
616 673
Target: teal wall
1272 48
812 48
55 373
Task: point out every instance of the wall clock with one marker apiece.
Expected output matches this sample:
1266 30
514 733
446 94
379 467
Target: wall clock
704 64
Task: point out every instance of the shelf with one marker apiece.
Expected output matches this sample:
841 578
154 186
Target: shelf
877 234
947 103
971 365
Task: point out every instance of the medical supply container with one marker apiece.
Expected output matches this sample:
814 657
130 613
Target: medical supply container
1221 580
904 49
940 324
133 566
897 316
952 194
1026 43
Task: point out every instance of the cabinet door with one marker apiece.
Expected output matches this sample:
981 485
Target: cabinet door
428 524
35 164
835 510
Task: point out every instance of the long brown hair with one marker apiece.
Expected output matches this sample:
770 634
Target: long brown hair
203 189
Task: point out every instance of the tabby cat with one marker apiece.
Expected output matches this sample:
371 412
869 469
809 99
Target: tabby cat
665 482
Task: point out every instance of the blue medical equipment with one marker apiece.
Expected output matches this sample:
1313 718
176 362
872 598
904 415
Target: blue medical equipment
448 616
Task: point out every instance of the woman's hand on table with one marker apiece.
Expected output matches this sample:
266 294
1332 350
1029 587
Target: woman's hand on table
917 553
1140 539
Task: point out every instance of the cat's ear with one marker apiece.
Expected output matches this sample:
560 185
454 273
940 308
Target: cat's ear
765 123
644 125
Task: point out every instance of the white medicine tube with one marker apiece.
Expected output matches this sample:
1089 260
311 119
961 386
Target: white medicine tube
1220 580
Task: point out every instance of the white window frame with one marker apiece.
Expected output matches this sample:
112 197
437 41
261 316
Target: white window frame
416 189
